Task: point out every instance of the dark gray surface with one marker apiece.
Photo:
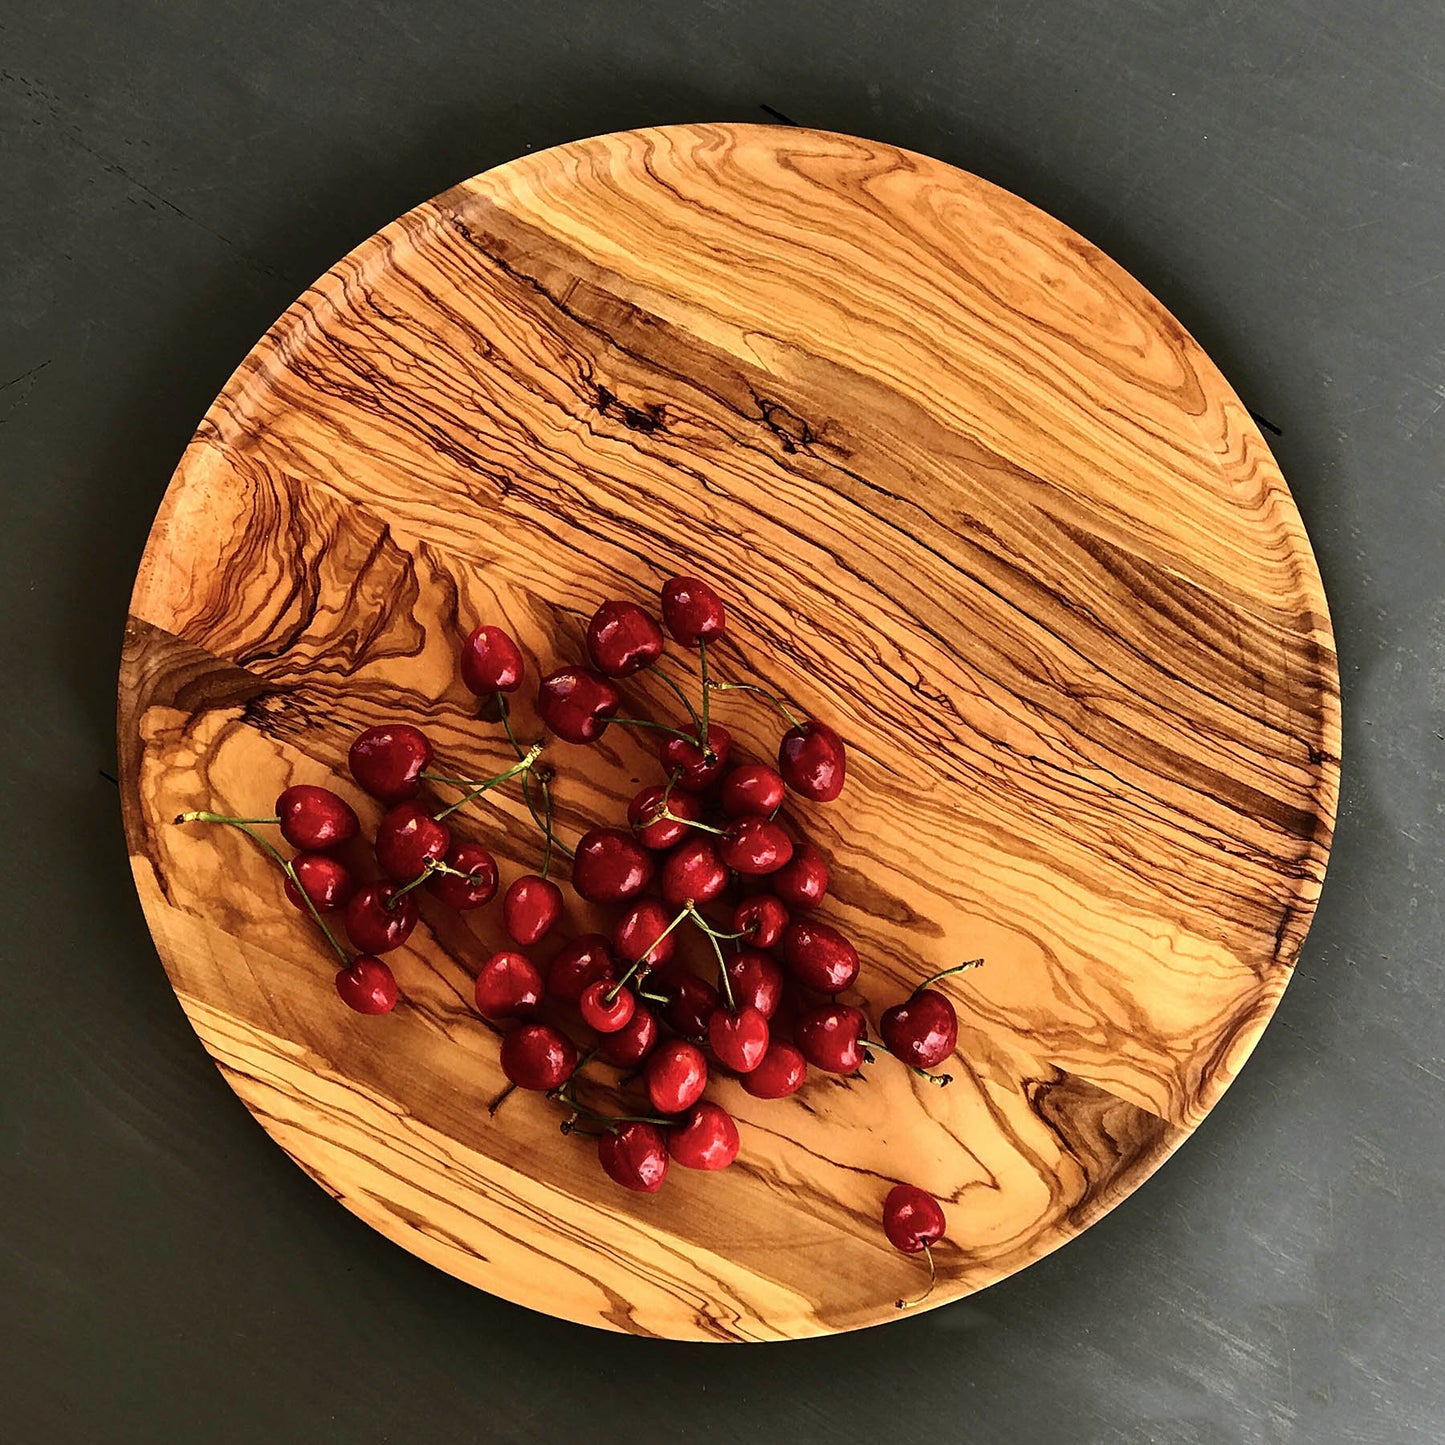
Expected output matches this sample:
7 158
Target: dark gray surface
174 173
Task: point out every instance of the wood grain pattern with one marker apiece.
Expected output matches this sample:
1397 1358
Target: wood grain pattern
973 496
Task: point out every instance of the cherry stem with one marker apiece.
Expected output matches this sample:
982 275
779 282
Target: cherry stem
523 765
646 957
722 968
690 823
504 710
908 1304
776 701
500 1100
686 701
957 968
706 693
652 997
571 1102
546 828
427 869
642 722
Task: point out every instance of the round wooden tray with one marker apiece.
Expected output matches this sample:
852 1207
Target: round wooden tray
972 495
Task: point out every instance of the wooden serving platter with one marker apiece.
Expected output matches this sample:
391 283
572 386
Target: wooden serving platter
973 497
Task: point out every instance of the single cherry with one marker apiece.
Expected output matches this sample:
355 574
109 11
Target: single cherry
408 840
819 956
756 981
782 1071
693 871
388 761
623 639
611 866
755 846
752 790
577 703
530 908
479 886
654 831
585 960
738 1039
367 985
691 1001
675 1075
813 761
605 1007
706 1139
325 880
315 818
633 1041
508 987
762 917
634 1157
802 882
697 768
913 1221
644 934
492 662
693 611
371 925
537 1056
922 1031
831 1037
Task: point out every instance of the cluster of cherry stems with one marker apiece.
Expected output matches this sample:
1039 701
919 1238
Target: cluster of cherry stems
708 832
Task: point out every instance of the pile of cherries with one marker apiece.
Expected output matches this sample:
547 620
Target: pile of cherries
703 865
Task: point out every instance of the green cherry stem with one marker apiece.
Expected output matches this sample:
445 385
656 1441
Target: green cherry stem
908 1304
522 766
642 722
957 968
776 701
722 968
547 827
685 699
706 693
687 912
427 869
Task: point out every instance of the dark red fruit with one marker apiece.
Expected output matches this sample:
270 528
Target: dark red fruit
530 909
642 934
388 761
693 872
675 1075
691 1001
583 961
315 818
693 611
371 925
803 881
922 1031
752 790
738 1039
783 1071
660 833
755 846
633 1041
634 1157
604 1010
813 761
623 639
407 839
830 1037
325 880
491 662
762 917
577 703
697 768
367 985
819 956
756 981
508 987
477 888
706 1139
611 866
537 1056
912 1218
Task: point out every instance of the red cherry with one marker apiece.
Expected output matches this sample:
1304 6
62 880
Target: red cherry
315 818
634 1157
922 1031
697 768
675 1075
325 880
477 888
633 1041
803 881
491 662
691 1001
706 1139
819 956
407 838
530 908
693 871
752 790
693 611
912 1218
755 846
813 761
508 987
659 833
642 934
577 703
738 1039
762 917
367 985
585 960
537 1056
388 761
783 1071
603 1013
622 639
756 980
371 925
830 1037
611 866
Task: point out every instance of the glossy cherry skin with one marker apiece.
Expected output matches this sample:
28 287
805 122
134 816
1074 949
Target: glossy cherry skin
388 761
577 703
693 871
819 956
530 909
315 818
691 1001
633 1041
738 1039
675 1075
537 1056
585 960
752 790
634 1157
802 882
912 1218
508 987
325 880
762 917
922 1031
623 639
371 925
697 769
656 833
693 611
367 985
477 888
783 1071
813 761
492 662
604 1010
642 933
755 846
611 866
830 1037
756 981
706 1139
407 839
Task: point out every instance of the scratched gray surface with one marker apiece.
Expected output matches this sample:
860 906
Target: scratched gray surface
172 174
